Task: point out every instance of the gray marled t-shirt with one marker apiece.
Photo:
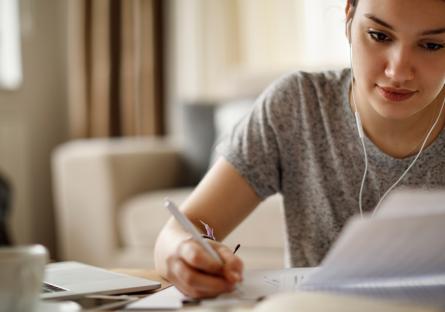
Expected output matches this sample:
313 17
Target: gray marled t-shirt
301 140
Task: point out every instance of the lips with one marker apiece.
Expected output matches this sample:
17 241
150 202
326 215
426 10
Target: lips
394 94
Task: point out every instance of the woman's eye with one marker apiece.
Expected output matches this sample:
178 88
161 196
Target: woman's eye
378 36
430 46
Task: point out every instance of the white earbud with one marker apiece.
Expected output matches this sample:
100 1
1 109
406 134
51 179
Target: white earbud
348 31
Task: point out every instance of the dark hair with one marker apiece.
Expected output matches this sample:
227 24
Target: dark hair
353 3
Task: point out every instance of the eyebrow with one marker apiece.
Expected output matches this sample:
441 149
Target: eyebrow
385 24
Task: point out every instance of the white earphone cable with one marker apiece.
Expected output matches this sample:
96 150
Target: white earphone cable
362 140
361 135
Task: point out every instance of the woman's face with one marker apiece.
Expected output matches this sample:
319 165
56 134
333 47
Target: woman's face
398 49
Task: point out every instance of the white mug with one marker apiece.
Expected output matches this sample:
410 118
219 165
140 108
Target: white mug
21 276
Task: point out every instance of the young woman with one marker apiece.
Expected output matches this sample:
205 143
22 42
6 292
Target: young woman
302 140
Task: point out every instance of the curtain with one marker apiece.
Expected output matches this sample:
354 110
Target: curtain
115 68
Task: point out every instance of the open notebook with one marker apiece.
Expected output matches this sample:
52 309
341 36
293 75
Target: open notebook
398 254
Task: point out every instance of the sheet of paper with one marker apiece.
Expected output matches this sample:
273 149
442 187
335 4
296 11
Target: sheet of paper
256 284
169 298
383 248
262 283
399 258
407 202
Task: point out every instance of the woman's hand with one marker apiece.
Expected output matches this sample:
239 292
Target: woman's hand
196 274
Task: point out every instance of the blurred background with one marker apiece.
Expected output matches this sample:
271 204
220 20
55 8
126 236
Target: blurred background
81 70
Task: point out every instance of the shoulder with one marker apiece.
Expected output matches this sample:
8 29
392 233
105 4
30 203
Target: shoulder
307 86
305 90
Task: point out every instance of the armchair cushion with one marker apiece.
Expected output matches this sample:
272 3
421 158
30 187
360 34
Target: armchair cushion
261 234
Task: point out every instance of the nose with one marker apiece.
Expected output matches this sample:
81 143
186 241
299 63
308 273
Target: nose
399 68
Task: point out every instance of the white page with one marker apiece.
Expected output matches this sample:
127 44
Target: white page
408 202
169 298
262 283
373 248
256 284
392 258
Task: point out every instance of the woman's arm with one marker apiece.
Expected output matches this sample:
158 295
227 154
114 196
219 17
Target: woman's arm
222 200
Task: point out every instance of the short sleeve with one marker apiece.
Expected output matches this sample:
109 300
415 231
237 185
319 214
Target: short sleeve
253 147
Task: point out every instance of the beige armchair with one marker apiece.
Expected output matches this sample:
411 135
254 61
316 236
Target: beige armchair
109 195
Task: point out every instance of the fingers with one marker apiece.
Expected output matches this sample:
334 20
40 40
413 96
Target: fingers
195 256
233 266
194 283
198 275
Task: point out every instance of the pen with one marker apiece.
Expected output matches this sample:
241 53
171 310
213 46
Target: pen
190 228
236 248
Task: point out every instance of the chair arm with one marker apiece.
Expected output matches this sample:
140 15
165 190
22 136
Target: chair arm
93 177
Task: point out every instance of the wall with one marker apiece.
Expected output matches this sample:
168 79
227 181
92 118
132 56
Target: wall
33 122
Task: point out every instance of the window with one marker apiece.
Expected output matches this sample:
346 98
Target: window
10 53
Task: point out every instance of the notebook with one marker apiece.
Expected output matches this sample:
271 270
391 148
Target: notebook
398 254
69 280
